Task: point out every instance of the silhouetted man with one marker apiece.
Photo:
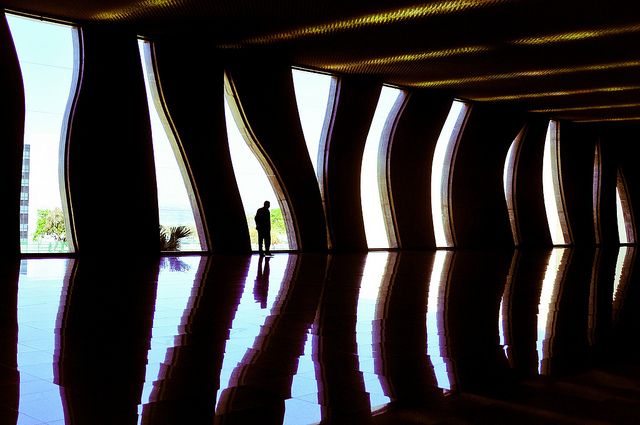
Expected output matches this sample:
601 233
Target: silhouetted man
263 225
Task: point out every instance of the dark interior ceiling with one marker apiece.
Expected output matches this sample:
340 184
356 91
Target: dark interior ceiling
571 59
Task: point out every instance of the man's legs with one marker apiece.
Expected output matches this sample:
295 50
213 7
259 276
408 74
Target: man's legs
267 243
261 238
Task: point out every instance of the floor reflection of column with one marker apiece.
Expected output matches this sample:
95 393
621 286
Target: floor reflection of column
104 335
520 309
601 302
261 383
9 375
565 344
190 376
400 332
436 329
624 268
475 286
341 390
627 308
567 339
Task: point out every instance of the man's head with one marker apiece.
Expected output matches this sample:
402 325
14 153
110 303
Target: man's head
267 204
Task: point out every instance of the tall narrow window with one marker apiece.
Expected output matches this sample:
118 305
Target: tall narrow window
313 91
254 186
626 229
622 234
372 214
551 186
442 158
46 54
597 182
508 180
176 207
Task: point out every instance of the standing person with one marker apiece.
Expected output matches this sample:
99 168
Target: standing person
263 226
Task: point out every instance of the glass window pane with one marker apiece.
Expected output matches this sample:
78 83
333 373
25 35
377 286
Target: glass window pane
45 52
372 214
443 145
549 191
254 186
174 204
508 181
626 229
622 234
312 95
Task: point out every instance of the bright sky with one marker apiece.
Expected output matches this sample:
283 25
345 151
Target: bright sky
46 60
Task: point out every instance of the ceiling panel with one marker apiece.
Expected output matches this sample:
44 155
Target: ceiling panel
571 59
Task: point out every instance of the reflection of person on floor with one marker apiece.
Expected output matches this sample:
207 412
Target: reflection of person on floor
261 287
263 226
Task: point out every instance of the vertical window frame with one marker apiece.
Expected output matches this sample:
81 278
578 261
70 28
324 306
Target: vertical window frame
158 102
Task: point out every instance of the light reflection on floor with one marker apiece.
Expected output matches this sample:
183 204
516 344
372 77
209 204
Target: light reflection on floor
453 318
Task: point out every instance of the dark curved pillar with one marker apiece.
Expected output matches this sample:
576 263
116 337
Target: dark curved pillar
340 161
196 108
104 334
477 205
528 197
12 113
341 390
577 151
110 166
407 157
266 100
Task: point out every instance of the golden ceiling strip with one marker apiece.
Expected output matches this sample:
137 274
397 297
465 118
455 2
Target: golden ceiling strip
527 74
133 9
608 119
555 94
577 35
587 108
408 57
381 18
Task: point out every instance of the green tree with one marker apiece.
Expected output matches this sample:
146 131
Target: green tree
277 224
50 223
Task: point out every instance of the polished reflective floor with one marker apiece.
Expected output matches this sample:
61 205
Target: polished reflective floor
443 337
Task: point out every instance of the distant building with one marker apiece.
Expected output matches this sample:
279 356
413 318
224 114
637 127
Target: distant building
24 196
